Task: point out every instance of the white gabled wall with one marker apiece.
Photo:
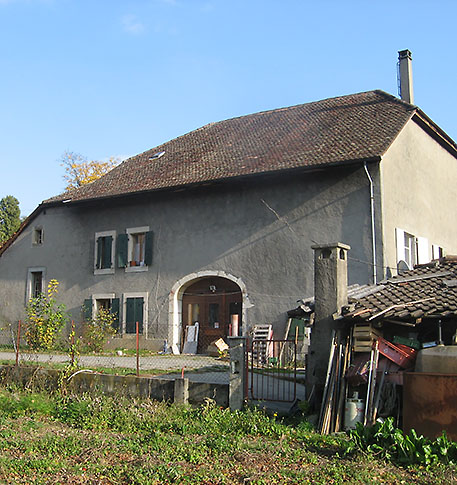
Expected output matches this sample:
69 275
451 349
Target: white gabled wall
418 196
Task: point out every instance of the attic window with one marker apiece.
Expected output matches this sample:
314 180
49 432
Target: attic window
157 155
37 236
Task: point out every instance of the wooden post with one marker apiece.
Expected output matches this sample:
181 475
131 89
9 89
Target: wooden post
137 349
18 342
72 342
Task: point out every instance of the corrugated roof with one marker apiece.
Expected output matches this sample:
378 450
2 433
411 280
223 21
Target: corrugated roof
425 291
332 131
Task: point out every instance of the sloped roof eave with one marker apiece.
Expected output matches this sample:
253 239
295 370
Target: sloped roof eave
69 201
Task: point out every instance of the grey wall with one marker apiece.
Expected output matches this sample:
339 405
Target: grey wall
260 231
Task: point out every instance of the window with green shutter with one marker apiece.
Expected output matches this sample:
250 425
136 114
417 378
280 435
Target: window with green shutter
104 247
138 244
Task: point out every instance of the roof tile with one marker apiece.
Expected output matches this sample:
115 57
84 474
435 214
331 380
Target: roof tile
336 130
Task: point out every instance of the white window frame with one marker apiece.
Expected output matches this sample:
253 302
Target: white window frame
28 288
437 251
418 249
130 231
409 244
143 295
98 271
34 232
100 296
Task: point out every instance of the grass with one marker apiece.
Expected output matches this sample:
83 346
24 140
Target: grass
121 371
82 439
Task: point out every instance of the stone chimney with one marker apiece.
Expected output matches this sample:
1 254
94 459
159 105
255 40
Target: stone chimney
405 62
330 294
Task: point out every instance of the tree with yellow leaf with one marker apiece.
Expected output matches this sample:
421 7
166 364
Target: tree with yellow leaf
80 171
45 319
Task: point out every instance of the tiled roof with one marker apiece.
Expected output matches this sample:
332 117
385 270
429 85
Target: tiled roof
426 291
337 130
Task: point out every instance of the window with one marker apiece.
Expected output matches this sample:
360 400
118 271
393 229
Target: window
437 251
411 250
107 302
37 236
104 250
134 310
35 283
134 249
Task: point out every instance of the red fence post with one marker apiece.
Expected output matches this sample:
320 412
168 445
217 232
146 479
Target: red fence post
246 363
18 340
137 350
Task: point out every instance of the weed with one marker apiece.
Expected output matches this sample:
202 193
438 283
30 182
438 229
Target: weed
390 443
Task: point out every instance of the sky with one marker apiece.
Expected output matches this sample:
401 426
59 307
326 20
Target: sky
113 78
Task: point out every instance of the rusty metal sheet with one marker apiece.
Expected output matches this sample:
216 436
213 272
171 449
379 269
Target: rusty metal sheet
430 404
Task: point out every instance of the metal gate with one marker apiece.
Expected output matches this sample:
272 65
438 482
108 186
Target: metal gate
272 370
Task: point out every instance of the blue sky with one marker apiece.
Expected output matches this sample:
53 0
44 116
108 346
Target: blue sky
117 77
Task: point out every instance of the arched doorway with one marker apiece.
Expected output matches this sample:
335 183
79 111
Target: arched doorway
216 304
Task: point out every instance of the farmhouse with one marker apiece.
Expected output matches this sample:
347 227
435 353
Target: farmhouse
216 226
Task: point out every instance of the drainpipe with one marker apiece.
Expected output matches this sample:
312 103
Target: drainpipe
373 233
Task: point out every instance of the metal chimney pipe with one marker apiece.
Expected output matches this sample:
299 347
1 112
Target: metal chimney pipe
405 62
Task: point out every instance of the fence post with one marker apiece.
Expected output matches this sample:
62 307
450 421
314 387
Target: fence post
18 342
137 350
72 343
181 394
237 372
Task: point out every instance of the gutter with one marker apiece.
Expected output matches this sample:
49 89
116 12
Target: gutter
373 233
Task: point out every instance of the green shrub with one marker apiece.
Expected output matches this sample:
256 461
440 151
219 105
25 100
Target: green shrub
98 330
45 319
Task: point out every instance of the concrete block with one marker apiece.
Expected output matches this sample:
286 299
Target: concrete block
181 390
199 391
237 372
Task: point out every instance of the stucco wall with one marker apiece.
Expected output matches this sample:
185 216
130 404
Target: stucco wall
418 191
259 231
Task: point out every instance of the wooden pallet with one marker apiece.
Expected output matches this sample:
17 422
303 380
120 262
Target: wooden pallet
262 351
364 336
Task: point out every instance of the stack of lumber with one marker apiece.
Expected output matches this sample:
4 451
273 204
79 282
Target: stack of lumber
332 407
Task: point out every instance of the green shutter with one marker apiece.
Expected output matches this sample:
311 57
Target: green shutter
148 249
98 262
134 313
115 312
87 309
107 256
130 316
122 250
139 314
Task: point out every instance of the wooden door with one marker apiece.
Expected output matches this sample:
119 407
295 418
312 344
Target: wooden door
211 302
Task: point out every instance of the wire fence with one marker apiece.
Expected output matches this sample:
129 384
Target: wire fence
75 350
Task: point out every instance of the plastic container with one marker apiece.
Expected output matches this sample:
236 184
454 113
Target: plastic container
354 410
397 353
